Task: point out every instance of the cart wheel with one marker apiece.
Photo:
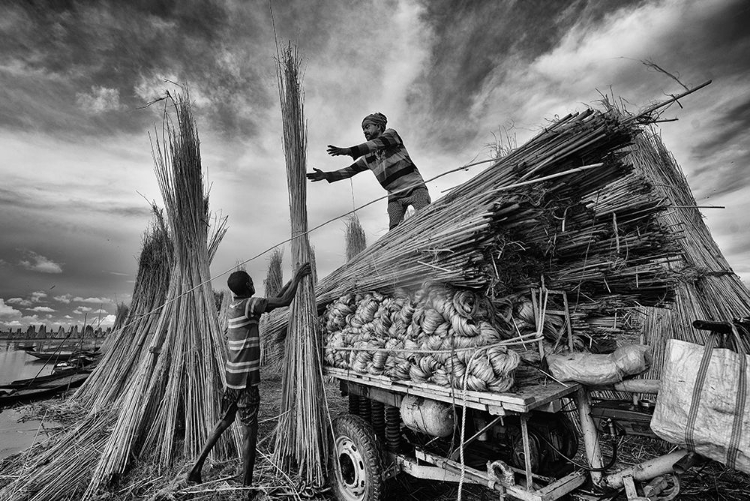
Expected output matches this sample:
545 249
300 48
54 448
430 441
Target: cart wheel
356 460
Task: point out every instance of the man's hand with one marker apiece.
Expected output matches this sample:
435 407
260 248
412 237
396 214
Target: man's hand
303 271
318 175
335 151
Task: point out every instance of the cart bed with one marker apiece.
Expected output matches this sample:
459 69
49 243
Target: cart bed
527 394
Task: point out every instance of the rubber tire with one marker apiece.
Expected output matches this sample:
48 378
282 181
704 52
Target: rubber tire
356 461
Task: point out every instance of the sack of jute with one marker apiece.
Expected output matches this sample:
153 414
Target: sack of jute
701 402
595 369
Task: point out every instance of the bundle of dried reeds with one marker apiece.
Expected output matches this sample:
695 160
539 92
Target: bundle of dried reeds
275 276
301 434
167 394
708 289
356 240
126 346
273 283
177 385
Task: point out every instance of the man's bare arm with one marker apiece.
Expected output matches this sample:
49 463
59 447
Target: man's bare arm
287 293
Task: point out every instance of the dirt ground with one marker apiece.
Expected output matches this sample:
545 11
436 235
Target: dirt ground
712 481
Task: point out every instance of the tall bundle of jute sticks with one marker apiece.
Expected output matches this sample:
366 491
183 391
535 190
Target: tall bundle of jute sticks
275 275
301 434
708 289
166 361
273 284
356 240
176 389
63 469
104 386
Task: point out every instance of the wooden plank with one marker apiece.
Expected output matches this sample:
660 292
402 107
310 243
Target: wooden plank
564 485
524 399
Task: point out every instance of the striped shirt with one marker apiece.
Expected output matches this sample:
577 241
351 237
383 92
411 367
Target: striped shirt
387 158
243 342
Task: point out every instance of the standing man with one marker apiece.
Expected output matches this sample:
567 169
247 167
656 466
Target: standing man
241 395
385 155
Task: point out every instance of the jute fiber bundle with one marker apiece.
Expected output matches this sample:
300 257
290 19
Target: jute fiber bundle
432 337
301 434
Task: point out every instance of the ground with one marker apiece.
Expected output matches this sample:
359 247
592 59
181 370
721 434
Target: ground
711 482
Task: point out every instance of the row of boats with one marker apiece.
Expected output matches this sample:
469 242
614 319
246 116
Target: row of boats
70 371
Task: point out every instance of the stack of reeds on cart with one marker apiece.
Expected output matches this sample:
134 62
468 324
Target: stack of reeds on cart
707 288
566 210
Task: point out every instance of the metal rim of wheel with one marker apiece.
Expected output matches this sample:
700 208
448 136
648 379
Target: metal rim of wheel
351 473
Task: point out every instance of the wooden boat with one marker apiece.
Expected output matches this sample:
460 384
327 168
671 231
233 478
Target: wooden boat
50 355
25 390
61 354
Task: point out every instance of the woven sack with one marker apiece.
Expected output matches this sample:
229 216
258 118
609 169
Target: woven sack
702 401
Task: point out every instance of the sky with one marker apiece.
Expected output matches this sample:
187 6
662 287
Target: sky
455 79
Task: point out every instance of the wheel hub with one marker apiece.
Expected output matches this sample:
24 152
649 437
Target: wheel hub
350 471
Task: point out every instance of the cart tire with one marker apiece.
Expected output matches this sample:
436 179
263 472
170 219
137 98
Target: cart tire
356 469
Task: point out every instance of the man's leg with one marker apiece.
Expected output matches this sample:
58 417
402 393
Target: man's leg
226 421
248 454
420 198
249 418
395 213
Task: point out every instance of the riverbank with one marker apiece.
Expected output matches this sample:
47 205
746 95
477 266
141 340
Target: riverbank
17 433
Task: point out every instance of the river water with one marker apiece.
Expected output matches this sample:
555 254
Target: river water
15 436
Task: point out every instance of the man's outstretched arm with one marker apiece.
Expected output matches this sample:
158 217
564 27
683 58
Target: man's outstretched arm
337 175
287 293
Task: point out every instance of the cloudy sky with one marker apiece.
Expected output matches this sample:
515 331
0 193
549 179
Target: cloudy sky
452 77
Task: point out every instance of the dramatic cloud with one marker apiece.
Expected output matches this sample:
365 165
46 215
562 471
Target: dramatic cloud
66 298
99 100
42 309
91 300
8 311
37 262
81 101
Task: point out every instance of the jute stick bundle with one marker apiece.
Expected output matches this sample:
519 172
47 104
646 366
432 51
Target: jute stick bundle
356 241
177 384
273 284
301 434
709 289
128 344
170 351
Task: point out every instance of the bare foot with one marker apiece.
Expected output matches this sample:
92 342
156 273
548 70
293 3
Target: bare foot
194 477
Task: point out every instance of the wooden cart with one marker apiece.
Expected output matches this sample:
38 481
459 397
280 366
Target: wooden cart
364 455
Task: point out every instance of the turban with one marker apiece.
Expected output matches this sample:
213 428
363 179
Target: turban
375 118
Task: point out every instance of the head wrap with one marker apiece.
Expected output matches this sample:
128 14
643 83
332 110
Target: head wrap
375 118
